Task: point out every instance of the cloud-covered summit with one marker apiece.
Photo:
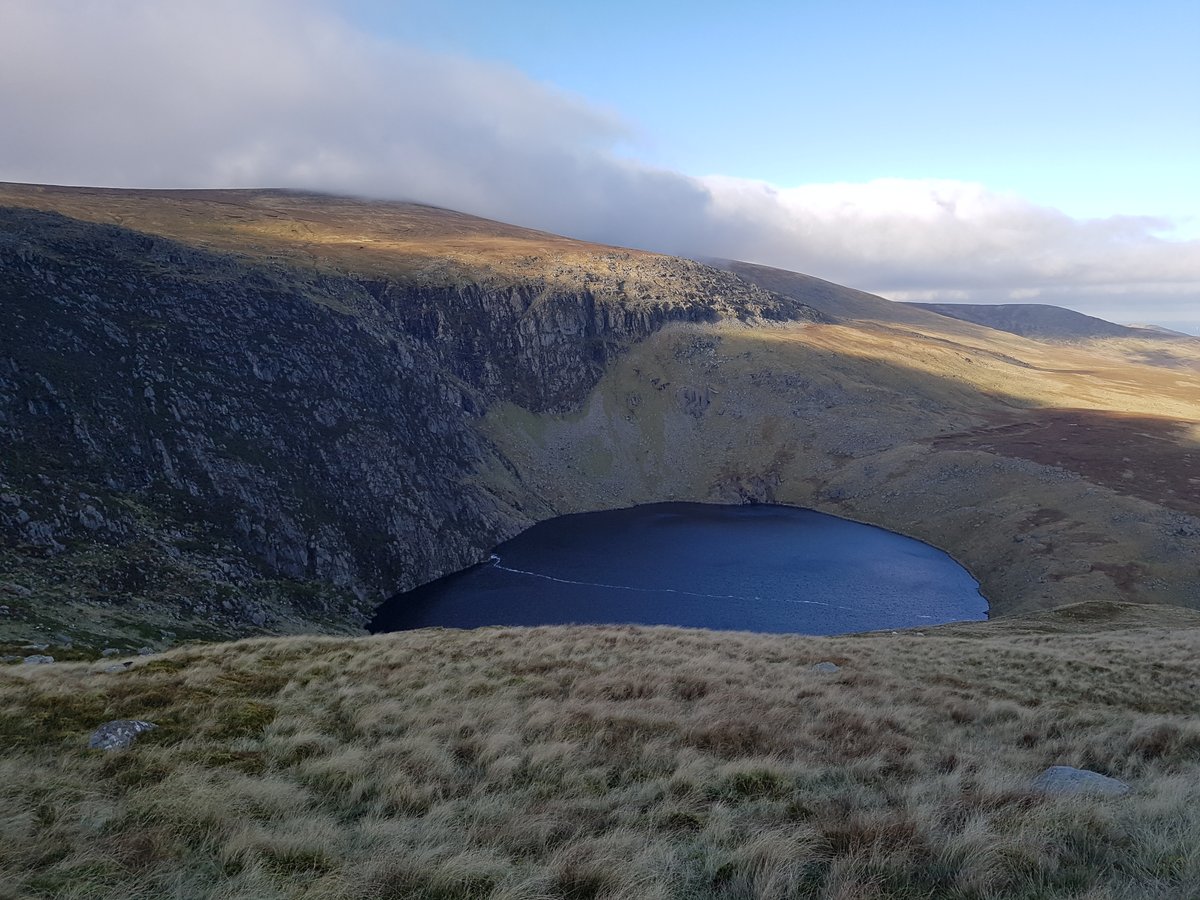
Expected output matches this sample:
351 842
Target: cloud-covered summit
142 93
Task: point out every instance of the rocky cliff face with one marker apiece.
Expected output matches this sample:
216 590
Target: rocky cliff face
201 443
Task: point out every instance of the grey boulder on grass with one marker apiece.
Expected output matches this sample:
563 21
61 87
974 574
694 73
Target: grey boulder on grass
118 734
1069 780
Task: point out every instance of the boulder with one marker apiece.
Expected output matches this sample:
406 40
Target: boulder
38 660
826 668
1069 780
118 734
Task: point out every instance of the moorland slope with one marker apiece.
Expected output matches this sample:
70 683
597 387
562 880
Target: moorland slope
631 763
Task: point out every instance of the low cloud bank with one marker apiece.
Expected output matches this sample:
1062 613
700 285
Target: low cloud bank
142 93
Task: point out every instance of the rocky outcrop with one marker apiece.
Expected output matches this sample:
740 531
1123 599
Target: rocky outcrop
1067 780
118 734
232 445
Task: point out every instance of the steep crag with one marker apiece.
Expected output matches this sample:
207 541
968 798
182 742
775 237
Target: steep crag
200 443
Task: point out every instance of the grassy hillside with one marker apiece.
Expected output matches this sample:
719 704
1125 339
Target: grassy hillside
616 763
405 242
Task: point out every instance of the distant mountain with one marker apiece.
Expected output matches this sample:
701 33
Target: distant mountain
1040 321
835 300
1159 329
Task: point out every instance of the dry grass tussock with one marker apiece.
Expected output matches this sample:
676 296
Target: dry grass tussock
611 763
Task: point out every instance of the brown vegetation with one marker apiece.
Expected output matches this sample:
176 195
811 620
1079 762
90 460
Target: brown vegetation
1152 457
616 763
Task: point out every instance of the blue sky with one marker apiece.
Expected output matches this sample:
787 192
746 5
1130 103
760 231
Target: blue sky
1093 108
974 152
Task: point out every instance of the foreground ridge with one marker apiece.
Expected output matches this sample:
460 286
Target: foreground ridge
617 762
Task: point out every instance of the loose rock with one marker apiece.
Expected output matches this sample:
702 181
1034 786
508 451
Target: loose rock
38 660
1065 780
118 734
826 667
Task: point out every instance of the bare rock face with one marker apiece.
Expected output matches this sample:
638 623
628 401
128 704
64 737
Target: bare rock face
255 446
1067 780
118 734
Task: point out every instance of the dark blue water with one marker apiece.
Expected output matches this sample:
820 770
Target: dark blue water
753 568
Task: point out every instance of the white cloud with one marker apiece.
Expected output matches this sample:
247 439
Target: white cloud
284 93
932 235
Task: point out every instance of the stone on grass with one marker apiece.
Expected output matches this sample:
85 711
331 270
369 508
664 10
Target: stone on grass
38 660
1069 780
826 667
119 667
118 734
110 651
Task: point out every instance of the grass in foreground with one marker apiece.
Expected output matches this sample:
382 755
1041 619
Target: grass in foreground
611 763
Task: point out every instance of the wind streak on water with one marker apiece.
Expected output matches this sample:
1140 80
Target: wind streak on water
625 587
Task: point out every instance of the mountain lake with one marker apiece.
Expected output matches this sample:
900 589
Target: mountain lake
750 568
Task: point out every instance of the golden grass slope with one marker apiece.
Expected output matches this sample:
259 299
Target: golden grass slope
378 239
598 762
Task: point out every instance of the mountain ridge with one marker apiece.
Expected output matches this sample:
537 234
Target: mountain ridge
1046 322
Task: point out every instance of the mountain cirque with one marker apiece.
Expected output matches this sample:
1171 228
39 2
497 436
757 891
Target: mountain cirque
238 412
